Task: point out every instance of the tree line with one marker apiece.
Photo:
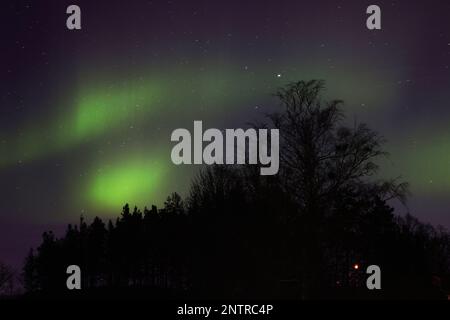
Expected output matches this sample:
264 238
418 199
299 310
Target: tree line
298 234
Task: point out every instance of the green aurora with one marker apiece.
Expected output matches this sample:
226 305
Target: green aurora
103 110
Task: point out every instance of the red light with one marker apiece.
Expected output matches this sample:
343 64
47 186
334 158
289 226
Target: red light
356 266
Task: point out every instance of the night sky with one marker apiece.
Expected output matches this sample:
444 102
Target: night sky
86 115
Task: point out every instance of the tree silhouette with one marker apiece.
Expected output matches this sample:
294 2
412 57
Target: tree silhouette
321 161
238 234
6 279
